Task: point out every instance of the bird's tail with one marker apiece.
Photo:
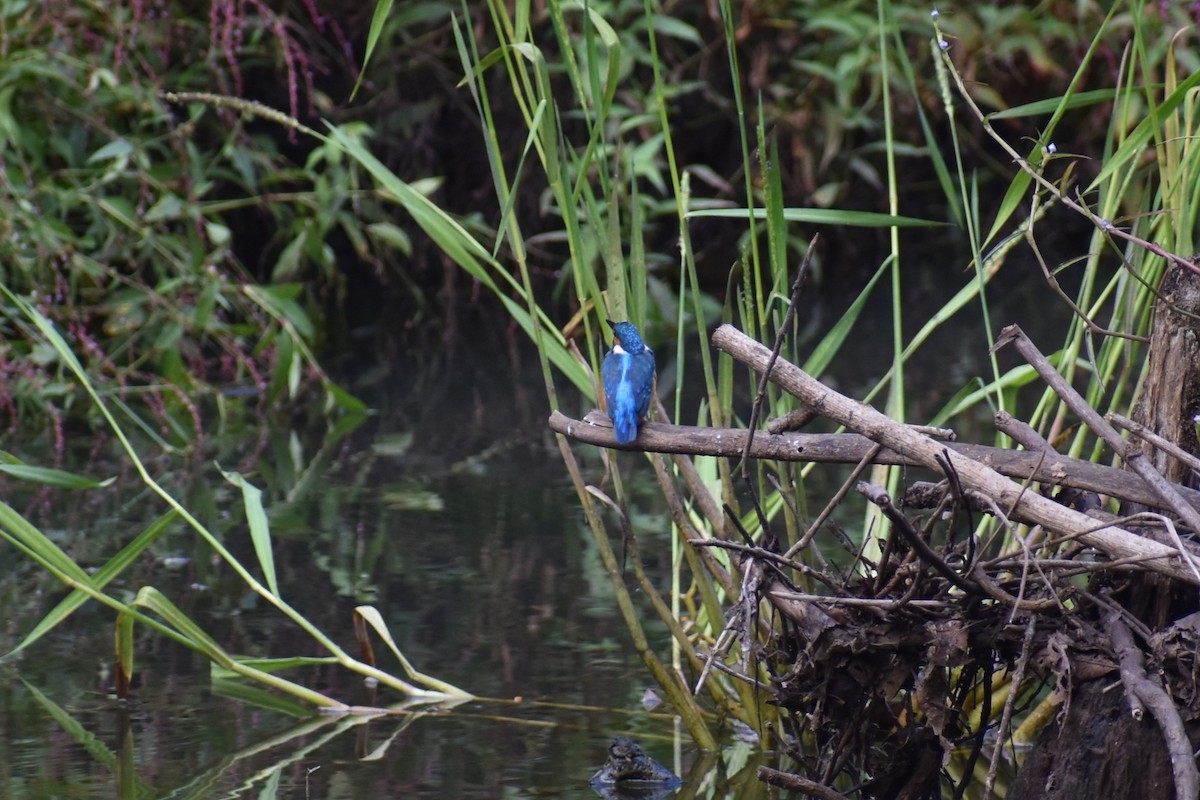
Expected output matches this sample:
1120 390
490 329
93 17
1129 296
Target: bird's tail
625 420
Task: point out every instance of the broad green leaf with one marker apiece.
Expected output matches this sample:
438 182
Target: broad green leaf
675 28
392 235
826 216
280 301
120 209
117 148
169 206
260 532
53 477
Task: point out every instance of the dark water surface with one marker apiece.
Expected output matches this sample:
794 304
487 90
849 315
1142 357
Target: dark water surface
471 547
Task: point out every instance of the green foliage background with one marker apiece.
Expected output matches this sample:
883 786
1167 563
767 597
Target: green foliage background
188 248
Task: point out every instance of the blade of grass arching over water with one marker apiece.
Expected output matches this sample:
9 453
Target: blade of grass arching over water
248 694
179 627
69 572
22 534
111 569
151 599
439 688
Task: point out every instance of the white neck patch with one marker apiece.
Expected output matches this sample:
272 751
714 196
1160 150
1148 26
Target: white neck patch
619 350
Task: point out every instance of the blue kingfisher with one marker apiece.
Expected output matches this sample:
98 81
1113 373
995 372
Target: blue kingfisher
628 373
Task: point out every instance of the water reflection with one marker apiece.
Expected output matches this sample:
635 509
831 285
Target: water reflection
480 566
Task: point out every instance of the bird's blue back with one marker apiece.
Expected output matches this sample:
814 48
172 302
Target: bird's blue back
628 373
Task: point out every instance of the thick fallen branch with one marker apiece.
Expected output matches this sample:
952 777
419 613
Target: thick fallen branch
850 448
1115 542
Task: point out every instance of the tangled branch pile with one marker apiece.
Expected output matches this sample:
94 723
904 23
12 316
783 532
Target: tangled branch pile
885 662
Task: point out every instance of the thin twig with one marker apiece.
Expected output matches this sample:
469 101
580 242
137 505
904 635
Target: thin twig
879 496
780 335
1015 678
1037 176
866 461
1166 445
794 783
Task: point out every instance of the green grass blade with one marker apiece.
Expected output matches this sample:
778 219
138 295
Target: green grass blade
372 617
1052 105
1135 144
21 532
465 251
829 346
382 9
250 694
115 566
825 216
260 529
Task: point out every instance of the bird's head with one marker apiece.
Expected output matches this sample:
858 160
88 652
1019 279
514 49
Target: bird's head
626 337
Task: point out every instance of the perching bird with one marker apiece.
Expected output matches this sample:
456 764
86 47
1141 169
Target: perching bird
628 373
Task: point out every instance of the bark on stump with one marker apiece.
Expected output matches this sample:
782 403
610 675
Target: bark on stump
1097 748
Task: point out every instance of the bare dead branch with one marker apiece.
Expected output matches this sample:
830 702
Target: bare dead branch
1114 542
850 448
1144 691
879 496
794 783
1142 432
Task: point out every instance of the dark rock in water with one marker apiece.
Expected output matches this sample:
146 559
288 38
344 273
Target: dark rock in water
629 773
